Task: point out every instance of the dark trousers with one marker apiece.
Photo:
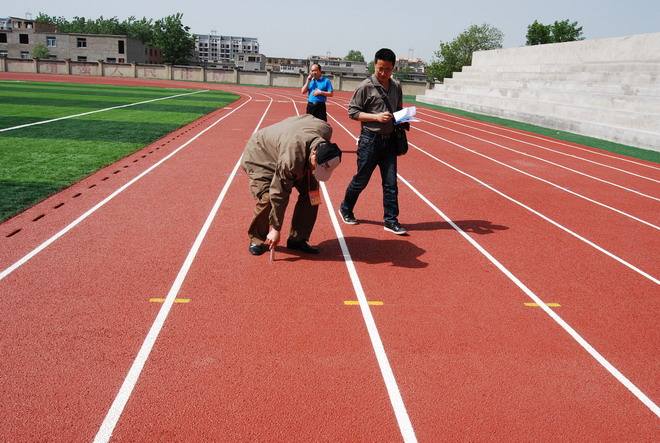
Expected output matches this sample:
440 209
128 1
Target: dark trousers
374 150
304 214
317 110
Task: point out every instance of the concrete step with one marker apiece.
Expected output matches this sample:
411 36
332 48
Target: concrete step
645 139
614 88
647 79
604 101
647 121
595 67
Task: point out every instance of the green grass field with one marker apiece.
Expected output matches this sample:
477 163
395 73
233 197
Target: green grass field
37 161
643 154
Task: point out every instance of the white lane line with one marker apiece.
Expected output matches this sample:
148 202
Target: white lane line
89 212
100 110
114 413
563 324
550 140
577 337
400 412
533 211
540 159
544 217
543 147
625 214
402 418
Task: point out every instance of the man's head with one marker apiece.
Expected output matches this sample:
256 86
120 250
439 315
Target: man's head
384 61
316 71
324 159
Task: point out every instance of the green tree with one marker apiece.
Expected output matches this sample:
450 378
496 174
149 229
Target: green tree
452 56
354 56
40 51
174 39
559 31
539 34
370 67
565 31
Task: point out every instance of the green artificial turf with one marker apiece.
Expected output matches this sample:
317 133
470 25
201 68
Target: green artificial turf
37 161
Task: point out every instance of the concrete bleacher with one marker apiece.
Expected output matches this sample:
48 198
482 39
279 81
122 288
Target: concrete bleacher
604 88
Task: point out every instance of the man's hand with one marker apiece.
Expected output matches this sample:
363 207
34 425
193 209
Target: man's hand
273 238
310 77
317 92
383 117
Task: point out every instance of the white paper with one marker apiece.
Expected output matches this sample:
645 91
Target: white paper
405 115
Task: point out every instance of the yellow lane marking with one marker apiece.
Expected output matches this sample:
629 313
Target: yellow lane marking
355 302
550 305
176 300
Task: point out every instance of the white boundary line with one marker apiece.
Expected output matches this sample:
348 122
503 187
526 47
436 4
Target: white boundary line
89 212
400 412
543 180
577 337
548 139
100 110
114 413
544 160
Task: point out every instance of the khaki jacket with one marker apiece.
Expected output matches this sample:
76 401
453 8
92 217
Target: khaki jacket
276 157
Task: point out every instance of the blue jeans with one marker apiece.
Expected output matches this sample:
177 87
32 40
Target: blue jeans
374 150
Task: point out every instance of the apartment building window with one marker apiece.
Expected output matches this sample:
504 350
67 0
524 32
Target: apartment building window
51 42
23 39
111 60
25 55
121 60
120 46
3 37
82 58
81 43
3 53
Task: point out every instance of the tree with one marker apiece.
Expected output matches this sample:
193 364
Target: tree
40 51
452 56
539 34
354 56
559 31
174 39
371 67
564 31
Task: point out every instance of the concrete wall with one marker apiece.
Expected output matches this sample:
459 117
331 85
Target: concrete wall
119 70
187 73
288 80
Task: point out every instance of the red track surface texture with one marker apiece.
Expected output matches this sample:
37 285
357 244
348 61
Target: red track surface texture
497 218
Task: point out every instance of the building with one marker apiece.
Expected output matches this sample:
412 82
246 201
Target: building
223 50
18 38
337 65
290 65
410 69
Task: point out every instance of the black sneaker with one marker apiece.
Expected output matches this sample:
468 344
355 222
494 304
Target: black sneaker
301 245
258 248
347 217
395 227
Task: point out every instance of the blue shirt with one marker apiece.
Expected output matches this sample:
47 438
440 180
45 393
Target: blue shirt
323 84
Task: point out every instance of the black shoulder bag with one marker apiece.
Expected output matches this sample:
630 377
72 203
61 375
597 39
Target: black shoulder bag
400 139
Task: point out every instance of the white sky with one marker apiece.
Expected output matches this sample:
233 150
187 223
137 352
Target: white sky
287 28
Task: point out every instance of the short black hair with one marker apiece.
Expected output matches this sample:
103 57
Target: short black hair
385 54
317 64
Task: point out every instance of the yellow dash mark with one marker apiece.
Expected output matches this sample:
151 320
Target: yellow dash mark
355 302
176 300
550 305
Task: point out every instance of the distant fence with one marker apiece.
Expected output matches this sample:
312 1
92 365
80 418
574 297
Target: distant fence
186 73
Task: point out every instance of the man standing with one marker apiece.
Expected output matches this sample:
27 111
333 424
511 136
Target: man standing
318 88
293 153
376 143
